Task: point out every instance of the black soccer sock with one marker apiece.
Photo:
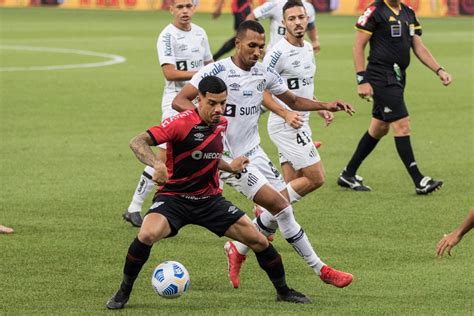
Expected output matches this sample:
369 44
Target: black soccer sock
405 152
366 144
227 47
137 255
270 261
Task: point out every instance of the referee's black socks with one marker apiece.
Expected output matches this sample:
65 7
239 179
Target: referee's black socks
405 152
366 144
270 261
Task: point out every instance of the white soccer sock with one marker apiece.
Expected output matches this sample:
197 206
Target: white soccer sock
144 187
294 196
266 224
295 235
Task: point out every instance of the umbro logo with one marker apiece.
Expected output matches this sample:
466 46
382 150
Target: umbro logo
234 86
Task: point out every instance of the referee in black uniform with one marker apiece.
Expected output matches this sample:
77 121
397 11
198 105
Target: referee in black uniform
392 29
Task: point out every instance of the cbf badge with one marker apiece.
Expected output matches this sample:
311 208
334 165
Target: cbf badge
412 29
396 29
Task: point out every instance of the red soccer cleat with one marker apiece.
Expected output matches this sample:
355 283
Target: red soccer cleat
234 263
317 143
335 277
257 210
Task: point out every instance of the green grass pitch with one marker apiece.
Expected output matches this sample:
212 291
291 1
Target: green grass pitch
67 174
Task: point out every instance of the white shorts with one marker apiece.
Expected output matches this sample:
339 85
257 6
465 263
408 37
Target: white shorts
167 111
296 147
259 172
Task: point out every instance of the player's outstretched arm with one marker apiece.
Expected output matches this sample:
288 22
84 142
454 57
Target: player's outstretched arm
236 166
294 119
425 56
141 147
184 99
302 104
172 74
452 239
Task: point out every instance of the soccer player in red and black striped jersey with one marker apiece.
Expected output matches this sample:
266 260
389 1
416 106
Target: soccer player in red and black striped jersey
240 9
189 191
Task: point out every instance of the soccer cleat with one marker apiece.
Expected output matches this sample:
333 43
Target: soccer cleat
6 230
317 143
134 218
293 297
335 277
257 210
354 183
428 185
118 301
234 263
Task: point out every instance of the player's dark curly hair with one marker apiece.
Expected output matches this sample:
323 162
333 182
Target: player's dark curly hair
291 4
249 25
212 84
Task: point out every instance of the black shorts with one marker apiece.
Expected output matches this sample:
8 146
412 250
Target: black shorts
240 17
214 213
389 102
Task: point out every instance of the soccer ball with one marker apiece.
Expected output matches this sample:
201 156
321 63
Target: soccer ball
170 279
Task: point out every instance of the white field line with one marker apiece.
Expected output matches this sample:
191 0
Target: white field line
113 59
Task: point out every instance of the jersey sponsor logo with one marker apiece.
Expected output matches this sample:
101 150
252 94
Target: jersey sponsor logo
364 18
195 49
182 65
254 109
412 29
248 93
167 122
256 72
197 63
281 30
293 83
234 86
216 69
183 47
274 58
199 137
167 44
261 85
307 81
198 155
230 110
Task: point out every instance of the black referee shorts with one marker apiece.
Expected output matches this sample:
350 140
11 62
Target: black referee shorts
214 213
389 102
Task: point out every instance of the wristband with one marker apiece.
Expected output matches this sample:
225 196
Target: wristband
361 77
438 70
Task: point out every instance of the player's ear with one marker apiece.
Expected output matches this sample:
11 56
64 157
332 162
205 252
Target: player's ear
237 42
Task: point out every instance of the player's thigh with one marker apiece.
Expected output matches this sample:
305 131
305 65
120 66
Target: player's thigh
315 173
244 231
155 227
216 214
296 147
174 210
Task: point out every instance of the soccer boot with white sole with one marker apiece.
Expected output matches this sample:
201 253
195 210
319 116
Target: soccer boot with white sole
428 185
354 183
133 218
335 277
293 296
234 263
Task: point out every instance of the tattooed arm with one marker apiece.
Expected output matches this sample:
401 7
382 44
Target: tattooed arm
141 147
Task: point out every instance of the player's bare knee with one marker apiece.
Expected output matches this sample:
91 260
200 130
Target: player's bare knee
148 237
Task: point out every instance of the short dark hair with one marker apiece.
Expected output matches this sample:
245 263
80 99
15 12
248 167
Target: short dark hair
291 4
249 25
212 84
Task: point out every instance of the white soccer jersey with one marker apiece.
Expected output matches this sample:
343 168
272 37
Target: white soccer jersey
187 50
296 65
273 10
244 97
